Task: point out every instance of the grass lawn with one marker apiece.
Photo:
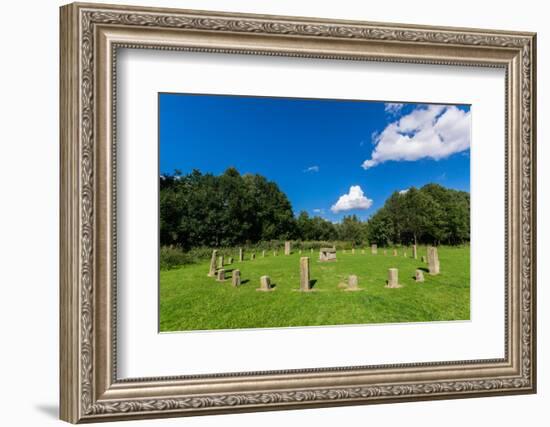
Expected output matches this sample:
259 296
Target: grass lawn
189 300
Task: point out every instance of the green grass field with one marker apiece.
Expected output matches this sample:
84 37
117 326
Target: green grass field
189 300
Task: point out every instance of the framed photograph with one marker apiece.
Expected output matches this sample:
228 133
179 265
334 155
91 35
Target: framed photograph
265 213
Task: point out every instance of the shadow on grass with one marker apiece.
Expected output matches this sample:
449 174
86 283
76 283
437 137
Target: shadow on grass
312 283
245 281
424 269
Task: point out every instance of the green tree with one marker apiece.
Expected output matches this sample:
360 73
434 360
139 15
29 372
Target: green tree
229 209
432 214
351 229
380 229
206 210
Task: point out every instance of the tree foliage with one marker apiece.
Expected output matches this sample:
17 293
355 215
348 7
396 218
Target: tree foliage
203 210
314 228
432 214
206 210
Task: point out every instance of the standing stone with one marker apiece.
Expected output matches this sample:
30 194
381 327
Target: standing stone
304 274
395 252
287 248
241 254
252 256
405 254
236 278
433 260
212 271
419 276
362 252
423 259
300 252
311 250
263 254
393 280
344 251
220 261
230 260
265 284
221 275
373 249
274 253
415 252
353 283
385 252
353 251
327 254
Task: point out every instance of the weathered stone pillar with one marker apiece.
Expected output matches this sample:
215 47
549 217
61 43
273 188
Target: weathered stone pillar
221 275
353 283
263 254
385 252
353 251
415 252
304 274
395 252
241 254
423 258
433 260
236 278
419 276
220 261
373 249
230 260
393 278
212 271
265 284
287 248
252 256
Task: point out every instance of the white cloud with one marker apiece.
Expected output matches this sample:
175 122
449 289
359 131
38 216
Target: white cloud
319 211
393 107
405 191
434 131
313 168
355 199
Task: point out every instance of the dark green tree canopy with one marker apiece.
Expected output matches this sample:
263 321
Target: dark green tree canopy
206 210
232 209
432 214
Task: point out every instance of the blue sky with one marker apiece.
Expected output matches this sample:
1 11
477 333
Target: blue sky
331 157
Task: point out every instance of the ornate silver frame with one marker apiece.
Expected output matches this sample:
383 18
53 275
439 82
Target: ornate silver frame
90 36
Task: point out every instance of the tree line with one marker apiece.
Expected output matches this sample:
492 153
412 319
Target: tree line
432 215
232 209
